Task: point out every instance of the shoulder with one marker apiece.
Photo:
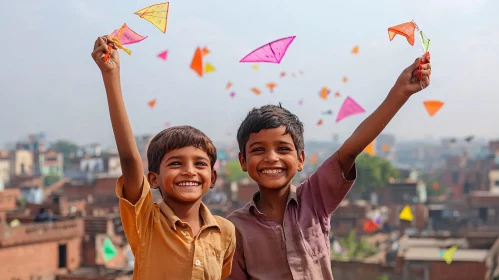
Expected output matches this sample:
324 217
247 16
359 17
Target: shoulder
241 215
226 227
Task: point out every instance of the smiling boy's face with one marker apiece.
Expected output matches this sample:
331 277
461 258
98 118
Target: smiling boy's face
185 175
271 158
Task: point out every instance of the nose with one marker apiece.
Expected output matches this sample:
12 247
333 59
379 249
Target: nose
189 170
271 156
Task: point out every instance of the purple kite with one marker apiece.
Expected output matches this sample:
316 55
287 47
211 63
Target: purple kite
349 108
272 52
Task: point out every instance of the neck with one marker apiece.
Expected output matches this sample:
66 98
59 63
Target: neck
187 212
272 202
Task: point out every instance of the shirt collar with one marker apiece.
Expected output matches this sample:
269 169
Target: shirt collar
291 196
173 220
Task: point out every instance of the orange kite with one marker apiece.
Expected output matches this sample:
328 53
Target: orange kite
271 86
404 29
256 91
152 103
433 106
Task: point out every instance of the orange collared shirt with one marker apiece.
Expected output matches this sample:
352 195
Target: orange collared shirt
164 247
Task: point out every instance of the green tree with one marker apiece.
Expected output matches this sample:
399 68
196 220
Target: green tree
354 250
50 179
234 172
66 148
373 172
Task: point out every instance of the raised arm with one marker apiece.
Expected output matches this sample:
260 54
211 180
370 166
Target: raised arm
131 163
407 84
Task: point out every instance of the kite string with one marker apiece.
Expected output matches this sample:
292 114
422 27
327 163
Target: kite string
138 1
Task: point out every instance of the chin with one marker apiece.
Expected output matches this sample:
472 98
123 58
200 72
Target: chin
275 185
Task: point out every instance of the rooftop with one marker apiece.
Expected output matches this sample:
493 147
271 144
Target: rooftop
433 254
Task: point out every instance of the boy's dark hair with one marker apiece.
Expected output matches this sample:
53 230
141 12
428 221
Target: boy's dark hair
268 117
178 137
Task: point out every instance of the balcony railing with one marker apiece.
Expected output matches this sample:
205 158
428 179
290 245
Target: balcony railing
40 232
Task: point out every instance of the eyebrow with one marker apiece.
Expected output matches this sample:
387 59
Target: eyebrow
261 143
182 157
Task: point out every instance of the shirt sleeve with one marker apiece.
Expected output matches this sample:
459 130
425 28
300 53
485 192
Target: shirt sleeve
136 218
327 187
229 255
238 263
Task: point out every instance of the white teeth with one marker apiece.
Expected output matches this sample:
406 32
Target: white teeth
271 171
188 184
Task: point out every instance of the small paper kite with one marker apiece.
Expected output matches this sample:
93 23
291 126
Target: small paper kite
283 74
370 226
385 148
406 214
313 159
205 51
255 66
349 108
319 122
300 102
370 149
324 93
469 138
345 79
208 68
449 254
108 250
156 14
328 112
152 103
232 94
163 55
355 50
436 186
405 29
337 94
271 86
229 84
197 62
127 36
433 106
256 91
272 52
424 41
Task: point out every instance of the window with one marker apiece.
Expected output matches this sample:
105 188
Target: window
62 255
496 183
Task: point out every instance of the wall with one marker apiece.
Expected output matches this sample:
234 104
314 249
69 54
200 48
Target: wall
4 171
8 199
457 271
494 181
38 260
19 158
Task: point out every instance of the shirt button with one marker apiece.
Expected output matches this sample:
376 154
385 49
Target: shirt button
197 263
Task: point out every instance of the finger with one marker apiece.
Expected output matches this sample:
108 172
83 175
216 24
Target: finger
426 57
425 73
100 51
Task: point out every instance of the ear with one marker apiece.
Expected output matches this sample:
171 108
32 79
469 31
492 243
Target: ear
153 179
301 160
213 179
242 161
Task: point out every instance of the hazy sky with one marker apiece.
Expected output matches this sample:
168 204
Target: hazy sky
48 81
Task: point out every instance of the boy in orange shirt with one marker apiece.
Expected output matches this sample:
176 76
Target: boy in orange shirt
179 238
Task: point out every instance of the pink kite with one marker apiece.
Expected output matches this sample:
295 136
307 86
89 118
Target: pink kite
163 55
272 52
128 37
349 108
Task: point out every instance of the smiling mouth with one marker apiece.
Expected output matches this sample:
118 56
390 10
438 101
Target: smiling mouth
188 184
272 171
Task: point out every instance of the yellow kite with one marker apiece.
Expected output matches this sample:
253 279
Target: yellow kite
156 14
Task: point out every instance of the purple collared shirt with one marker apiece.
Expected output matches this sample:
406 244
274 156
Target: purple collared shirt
299 249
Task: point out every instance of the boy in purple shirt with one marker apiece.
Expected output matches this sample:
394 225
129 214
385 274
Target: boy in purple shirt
283 232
